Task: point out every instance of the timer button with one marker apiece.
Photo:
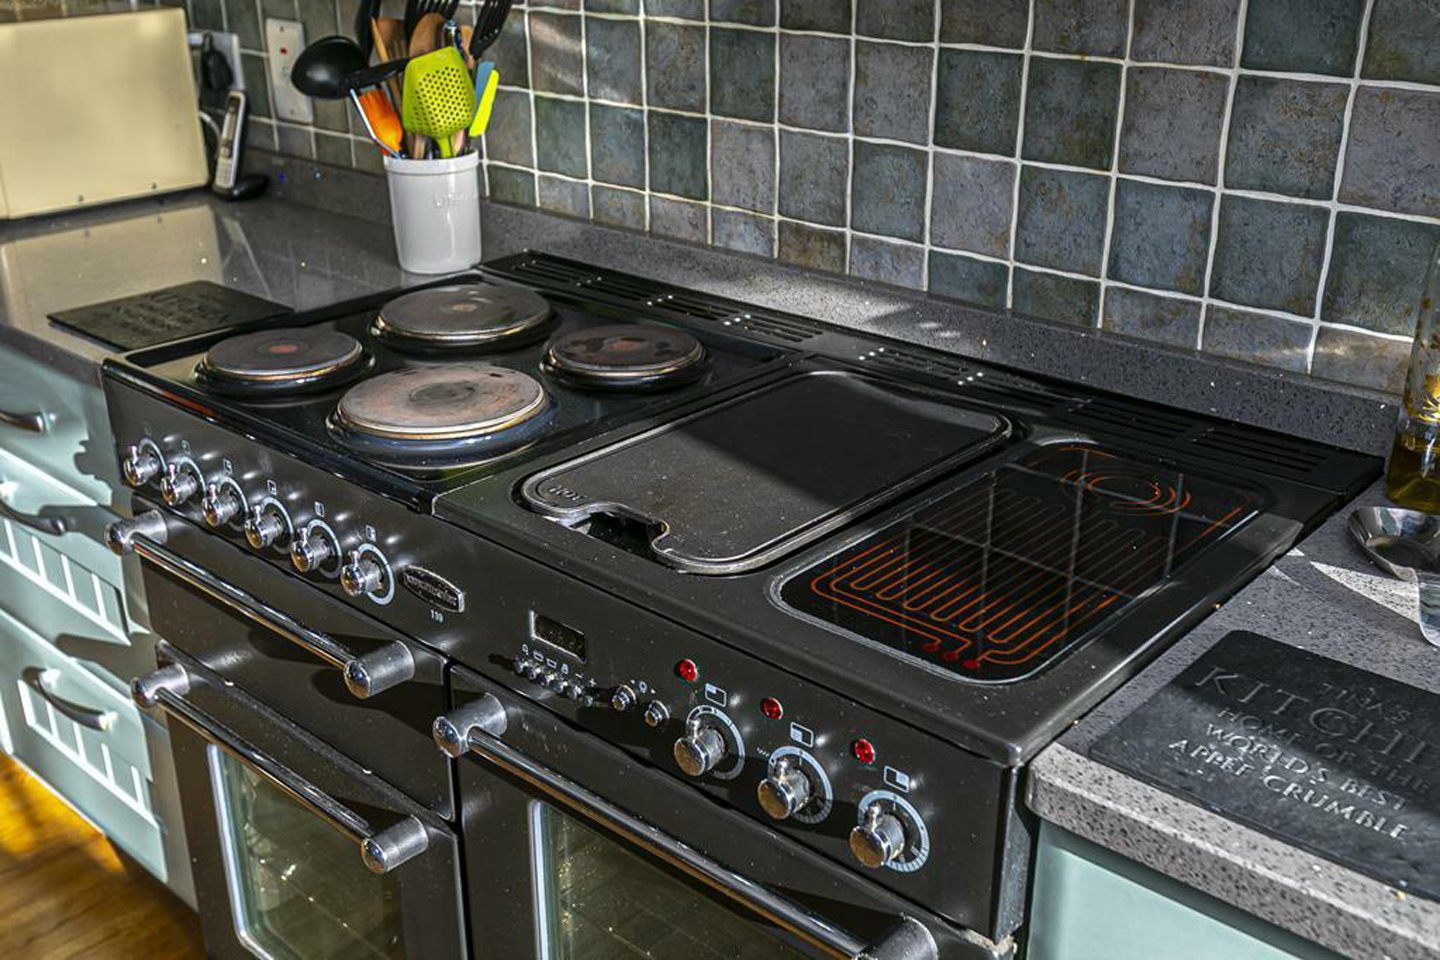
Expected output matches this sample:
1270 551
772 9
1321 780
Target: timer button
623 698
656 713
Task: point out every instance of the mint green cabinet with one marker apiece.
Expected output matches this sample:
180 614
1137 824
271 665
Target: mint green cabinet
1089 903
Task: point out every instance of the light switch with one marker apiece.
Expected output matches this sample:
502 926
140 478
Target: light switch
284 39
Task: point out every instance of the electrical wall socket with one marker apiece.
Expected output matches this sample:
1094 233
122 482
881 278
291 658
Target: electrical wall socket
284 39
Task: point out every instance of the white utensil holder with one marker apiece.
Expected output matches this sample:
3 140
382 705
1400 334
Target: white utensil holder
435 206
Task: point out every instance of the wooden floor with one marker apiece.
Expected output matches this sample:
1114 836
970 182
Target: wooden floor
65 892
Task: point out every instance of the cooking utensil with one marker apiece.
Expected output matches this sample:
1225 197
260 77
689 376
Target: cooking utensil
365 11
389 36
423 39
489 21
376 74
1406 545
487 79
381 121
439 98
321 68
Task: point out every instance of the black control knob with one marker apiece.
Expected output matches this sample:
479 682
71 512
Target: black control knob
786 791
362 576
178 485
700 750
266 527
220 505
879 838
312 551
623 698
139 466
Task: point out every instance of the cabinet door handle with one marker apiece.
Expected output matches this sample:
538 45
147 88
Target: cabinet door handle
53 525
35 422
42 679
382 850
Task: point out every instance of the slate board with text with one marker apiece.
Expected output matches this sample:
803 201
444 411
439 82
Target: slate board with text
1321 754
159 316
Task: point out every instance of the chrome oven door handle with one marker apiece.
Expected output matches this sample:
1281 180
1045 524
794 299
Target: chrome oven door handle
381 850
477 728
34 422
41 679
35 521
365 675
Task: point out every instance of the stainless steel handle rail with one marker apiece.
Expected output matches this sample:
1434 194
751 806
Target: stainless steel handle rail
54 525
41 679
382 850
365 674
36 422
477 727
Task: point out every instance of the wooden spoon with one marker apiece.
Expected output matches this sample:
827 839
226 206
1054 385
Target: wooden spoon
425 39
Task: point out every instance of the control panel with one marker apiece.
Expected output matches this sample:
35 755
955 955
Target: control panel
270 514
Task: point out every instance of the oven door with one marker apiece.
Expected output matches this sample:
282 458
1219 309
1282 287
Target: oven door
576 851
300 854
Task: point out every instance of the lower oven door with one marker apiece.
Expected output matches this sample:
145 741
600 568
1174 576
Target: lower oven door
299 853
575 851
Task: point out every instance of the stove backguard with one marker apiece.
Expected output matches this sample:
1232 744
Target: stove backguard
998 578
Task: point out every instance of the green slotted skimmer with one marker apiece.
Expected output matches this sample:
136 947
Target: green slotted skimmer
439 97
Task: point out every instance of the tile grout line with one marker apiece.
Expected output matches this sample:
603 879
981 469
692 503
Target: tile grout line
645 115
1019 156
1334 215
534 139
1227 115
930 145
775 146
850 130
585 87
1113 176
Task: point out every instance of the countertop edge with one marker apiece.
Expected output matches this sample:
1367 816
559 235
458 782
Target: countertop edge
1146 824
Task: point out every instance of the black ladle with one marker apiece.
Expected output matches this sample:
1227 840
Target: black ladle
322 68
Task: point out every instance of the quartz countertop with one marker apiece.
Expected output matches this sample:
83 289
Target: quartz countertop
1323 596
322 235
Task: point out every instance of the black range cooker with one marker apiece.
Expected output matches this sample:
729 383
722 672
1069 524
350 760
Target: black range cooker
740 628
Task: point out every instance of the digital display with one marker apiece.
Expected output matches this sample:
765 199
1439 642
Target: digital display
558 635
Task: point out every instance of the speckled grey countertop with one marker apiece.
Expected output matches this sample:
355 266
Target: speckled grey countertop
1323 596
322 235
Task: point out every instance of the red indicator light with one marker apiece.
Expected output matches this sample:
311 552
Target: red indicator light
864 750
772 708
687 671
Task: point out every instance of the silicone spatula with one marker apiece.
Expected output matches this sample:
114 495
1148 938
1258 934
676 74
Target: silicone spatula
487 78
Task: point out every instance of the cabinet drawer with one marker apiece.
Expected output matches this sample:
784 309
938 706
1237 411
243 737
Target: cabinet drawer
104 773
73 440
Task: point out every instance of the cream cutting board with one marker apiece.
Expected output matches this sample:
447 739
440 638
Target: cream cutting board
96 108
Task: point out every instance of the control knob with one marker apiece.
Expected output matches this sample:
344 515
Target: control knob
623 698
312 550
786 791
266 527
362 576
220 505
526 667
178 485
700 750
139 466
656 713
879 838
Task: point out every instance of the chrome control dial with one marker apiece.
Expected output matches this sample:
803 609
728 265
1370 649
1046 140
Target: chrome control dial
267 526
221 504
787 790
141 464
180 483
700 750
366 573
655 714
527 668
878 839
890 833
623 698
314 550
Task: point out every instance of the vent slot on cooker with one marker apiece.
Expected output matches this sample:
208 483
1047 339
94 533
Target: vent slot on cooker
983 384
645 294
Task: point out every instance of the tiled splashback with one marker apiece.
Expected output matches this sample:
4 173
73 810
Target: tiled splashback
1256 178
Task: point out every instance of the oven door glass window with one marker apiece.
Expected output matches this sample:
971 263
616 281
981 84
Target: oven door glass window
601 901
298 889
